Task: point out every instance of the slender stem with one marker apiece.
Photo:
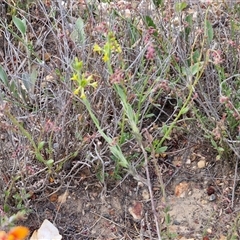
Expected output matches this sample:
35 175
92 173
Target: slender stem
151 192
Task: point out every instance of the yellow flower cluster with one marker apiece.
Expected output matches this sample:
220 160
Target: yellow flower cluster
110 46
81 79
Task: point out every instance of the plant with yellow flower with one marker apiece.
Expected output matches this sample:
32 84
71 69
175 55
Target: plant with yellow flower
81 79
111 46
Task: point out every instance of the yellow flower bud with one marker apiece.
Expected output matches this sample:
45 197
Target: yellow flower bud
74 77
83 95
97 48
105 58
76 91
94 84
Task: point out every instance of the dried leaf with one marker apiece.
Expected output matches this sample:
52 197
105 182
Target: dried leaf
136 210
63 198
181 189
53 197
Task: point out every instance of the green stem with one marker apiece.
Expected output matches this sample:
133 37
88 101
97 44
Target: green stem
114 147
27 135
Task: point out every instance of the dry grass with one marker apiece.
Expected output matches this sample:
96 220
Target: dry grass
158 45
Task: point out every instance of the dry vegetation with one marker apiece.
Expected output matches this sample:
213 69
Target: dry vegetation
115 103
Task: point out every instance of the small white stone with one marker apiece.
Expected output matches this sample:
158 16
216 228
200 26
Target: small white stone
201 163
145 194
212 197
188 162
209 230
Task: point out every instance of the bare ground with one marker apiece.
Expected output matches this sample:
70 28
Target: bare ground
198 204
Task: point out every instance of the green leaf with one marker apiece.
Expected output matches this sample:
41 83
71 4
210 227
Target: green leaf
7 193
49 162
184 110
150 115
187 29
134 33
39 157
6 208
150 23
131 115
189 19
40 145
220 149
167 209
179 7
3 76
168 218
13 89
20 24
161 150
193 69
164 129
78 34
148 149
158 3
214 144
209 31
196 56
116 151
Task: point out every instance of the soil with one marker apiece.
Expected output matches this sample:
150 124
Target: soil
198 204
